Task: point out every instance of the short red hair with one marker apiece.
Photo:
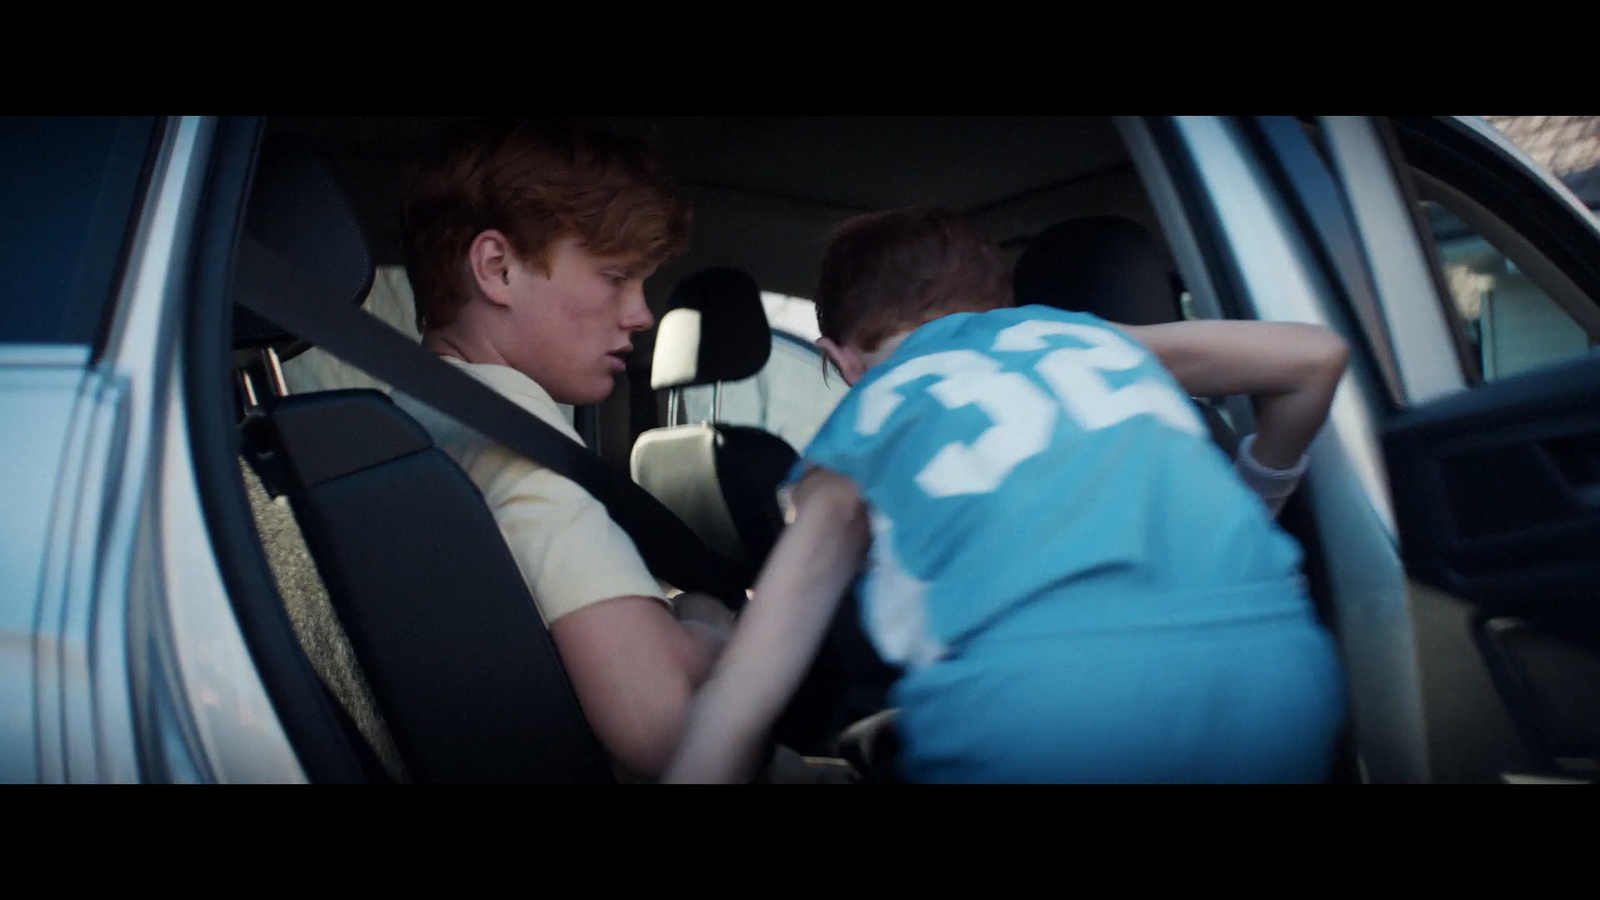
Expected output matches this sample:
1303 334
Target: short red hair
537 182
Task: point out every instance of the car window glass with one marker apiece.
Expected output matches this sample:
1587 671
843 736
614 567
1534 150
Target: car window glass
790 396
1513 325
70 185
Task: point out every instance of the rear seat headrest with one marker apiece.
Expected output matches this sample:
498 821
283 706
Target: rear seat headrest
714 329
1105 265
298 211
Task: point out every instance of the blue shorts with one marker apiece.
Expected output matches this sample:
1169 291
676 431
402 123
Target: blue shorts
1227 686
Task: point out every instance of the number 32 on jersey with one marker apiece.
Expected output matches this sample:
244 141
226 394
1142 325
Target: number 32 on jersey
1023 415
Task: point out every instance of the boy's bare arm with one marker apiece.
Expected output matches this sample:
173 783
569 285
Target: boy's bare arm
1292 369
778 633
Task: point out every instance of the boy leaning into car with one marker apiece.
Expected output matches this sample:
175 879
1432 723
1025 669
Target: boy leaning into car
1079 584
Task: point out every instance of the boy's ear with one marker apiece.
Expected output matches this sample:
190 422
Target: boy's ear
847 359
490 258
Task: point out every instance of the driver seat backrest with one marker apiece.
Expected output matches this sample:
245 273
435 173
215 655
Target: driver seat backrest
439 619
720 479
1113 268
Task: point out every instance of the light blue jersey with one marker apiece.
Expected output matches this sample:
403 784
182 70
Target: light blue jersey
1032 457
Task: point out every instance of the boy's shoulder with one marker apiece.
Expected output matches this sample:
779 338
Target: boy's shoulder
1005 316
976 330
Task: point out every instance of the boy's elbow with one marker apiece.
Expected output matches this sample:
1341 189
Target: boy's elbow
1326 355
1335 355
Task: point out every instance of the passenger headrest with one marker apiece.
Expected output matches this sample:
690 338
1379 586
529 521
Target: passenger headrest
1105 265
298 211
714 330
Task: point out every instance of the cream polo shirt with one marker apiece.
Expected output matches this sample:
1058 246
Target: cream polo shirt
569 550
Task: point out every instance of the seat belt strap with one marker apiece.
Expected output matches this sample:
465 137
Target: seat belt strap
268 285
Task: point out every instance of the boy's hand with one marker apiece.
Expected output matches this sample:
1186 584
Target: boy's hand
709 624
1290 369
779 632
703 609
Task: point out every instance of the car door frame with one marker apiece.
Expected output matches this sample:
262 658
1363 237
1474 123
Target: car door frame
1355 198
1245 250
1502 587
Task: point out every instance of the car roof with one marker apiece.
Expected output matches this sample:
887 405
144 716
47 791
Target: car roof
766 189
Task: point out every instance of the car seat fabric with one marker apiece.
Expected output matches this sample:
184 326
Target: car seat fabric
436 610
1107 266
298 211
1113 268
315 623
715 329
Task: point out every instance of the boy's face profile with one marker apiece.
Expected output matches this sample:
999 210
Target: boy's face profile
569 328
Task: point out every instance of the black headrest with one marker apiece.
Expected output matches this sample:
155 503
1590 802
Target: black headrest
298 211
1105 265
714 329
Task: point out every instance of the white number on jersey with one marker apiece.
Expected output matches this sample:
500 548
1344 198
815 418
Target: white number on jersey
1074 374
1023 418
1023 415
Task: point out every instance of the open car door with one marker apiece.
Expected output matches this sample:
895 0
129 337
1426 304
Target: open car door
1496 488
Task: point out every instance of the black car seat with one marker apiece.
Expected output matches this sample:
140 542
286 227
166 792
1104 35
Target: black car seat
1113 268
440 622
720 479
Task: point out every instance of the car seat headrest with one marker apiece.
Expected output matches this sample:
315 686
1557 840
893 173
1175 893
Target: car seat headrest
298 211
714 329
1109 266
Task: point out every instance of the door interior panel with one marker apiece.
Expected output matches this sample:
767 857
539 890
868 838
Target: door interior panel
1496 493
1495 490
1552 670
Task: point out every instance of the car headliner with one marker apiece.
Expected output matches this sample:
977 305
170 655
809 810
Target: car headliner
765 189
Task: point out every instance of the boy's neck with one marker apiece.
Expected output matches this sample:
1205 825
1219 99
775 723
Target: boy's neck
886 348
